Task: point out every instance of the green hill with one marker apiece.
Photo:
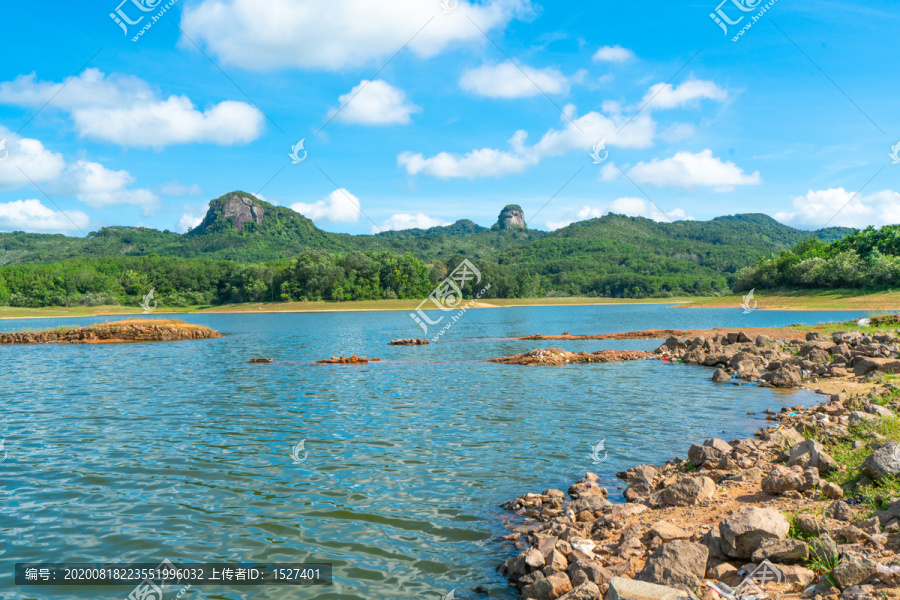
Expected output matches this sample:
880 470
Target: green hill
614 255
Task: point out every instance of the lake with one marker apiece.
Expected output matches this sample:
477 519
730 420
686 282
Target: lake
182 450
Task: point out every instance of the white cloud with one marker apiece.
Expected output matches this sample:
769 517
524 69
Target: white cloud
374 103
34 217
174 188
843 209
190 219
311 34
665 96
125 110
615 54
579 133
29 155
508 81
688 170
97 186
677 132
631 207
609 172
408 221
339 207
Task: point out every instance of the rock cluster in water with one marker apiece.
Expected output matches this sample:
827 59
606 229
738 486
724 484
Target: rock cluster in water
786 363
556 356
408 342
347 360
718 515
131 330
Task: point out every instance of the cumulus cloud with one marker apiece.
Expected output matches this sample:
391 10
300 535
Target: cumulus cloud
29 155
339 207
97 186
33 216
408 221
310 34
577 133
686 170
613 54
374 103
508 81
631 207
665 96
843 208
190 218
125 110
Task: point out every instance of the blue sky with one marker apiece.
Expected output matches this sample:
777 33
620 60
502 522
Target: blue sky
417 113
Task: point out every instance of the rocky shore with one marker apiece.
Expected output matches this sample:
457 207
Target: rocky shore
129 330
556 356
787 362
816 495
408 342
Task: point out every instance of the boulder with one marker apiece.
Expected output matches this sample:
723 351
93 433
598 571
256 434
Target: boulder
786 377
853 569
840 511
590 503
787 479
832 490
621 588
781 551
701 454
687 491
884 462
549 588
810 453
744 531
585 591
721 376
676 563
668 532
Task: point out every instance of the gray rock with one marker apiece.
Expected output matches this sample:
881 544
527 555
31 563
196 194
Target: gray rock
810 453
840 511
721 376
744 531
700 454
621 588
852 570
883 462
687 491
585 591
781 551
590 503
786 377
677 563
832 490
787 479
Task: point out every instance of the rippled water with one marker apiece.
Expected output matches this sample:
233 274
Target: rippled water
140 452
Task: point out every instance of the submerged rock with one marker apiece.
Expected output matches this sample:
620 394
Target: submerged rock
557 356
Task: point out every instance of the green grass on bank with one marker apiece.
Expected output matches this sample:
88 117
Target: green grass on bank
838 299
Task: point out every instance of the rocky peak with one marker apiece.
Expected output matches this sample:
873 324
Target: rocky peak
243 210
512 217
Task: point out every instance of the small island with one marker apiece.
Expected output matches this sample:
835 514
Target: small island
129 330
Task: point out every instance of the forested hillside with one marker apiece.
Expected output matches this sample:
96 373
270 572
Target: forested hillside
248 250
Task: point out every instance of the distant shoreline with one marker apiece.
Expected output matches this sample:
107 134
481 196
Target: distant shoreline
819 301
